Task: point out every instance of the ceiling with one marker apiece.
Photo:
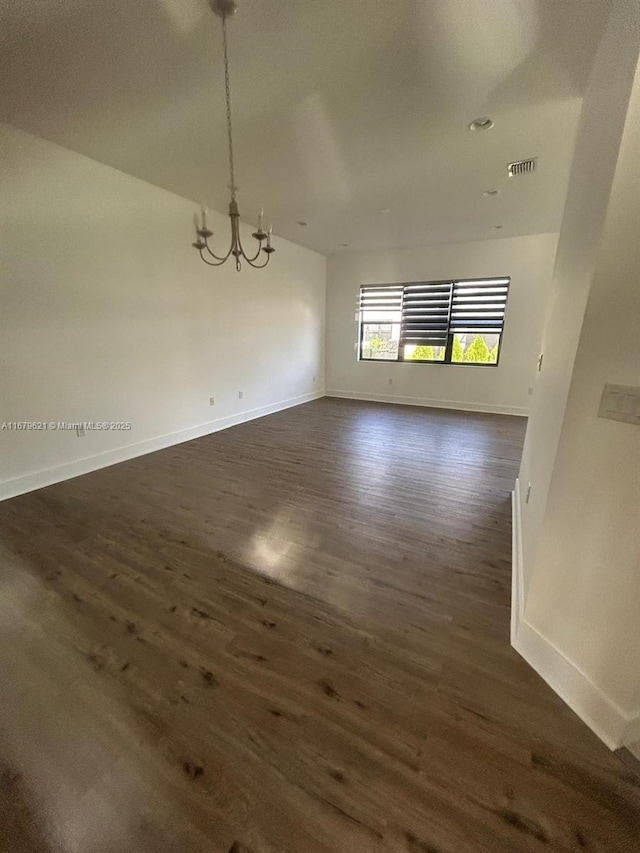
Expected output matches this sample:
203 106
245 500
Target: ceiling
342 110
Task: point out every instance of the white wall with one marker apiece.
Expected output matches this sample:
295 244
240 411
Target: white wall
585 588
109 314
580 626
598 141
505 388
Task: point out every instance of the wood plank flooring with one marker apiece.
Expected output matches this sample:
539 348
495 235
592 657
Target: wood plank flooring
288 637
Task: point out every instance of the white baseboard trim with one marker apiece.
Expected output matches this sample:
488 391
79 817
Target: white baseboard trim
517 578
49 476
603 716
585 698
427 402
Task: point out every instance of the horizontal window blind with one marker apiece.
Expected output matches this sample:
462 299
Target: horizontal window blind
479 306
383 300
430 313
426 310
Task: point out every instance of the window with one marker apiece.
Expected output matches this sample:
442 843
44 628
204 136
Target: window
450 322
380 321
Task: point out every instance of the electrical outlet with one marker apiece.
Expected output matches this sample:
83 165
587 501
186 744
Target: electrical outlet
212 401
314 380
526 500
79 431
391 382
530 391
240 395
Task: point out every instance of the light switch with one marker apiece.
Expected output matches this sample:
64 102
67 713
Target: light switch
621 403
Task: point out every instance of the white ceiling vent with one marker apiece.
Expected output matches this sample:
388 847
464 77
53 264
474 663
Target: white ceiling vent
523 167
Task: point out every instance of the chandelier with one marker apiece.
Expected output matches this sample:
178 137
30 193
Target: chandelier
225 9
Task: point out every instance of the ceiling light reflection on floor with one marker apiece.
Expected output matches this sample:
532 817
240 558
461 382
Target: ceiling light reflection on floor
276 550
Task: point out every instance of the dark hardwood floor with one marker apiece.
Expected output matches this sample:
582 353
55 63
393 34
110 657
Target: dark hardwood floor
289 637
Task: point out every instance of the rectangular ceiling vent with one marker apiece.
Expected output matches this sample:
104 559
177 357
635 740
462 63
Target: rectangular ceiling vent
523 167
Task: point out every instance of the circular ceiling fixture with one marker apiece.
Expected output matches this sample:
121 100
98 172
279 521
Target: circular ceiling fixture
491 193
484 123
343 245
496 227
385 210
302 223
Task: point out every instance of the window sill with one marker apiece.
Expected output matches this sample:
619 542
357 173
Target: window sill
416 361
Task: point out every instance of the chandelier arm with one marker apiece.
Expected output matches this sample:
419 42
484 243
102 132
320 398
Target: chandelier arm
211 263
244 254
213 254
258 266
257 254
255 257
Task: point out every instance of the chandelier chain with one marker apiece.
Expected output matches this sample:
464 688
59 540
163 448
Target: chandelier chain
226 8
227 87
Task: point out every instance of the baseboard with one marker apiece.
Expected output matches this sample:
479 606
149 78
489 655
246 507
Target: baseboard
603 716
585 698
517 576
49 476
427 402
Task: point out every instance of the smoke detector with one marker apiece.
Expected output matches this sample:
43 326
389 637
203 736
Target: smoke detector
522 167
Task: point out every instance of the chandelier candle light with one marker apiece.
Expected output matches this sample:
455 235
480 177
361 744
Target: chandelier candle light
225 9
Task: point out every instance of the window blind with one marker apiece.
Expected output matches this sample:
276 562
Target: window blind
479 306
383 300
426 311
432 313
